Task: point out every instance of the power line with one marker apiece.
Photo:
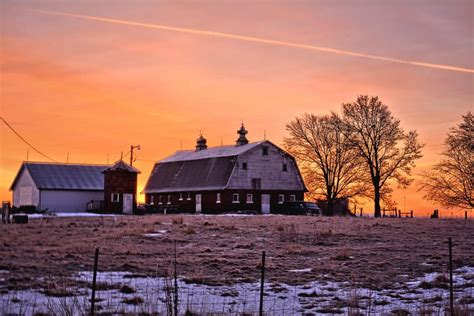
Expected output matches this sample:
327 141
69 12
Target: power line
25 141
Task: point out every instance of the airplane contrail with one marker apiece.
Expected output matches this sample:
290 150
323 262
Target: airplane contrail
260 40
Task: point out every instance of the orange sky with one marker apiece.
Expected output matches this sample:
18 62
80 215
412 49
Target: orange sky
92 88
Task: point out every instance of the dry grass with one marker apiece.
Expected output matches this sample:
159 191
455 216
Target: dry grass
368 252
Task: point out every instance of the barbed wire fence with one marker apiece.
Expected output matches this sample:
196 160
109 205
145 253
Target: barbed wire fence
101 292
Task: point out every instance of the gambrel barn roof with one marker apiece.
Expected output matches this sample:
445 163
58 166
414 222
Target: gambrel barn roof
64 176
189 170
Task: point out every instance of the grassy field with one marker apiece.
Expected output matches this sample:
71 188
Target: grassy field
219 250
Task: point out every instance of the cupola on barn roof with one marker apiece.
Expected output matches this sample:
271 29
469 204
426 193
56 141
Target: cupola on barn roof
242 140
201 143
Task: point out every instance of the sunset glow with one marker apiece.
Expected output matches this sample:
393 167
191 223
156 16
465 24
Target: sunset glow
84 80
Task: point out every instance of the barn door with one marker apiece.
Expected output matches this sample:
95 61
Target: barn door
127 204
198 203
265 203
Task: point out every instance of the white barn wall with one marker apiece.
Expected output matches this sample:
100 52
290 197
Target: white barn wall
268 168
68 201
25 181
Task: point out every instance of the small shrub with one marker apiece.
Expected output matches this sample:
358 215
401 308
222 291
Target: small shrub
177 220
133 301
189 230
125 289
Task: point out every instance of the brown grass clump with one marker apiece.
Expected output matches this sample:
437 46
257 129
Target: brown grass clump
133 301
288 233
177 220
189 230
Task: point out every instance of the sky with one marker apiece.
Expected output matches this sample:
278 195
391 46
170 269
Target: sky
83 80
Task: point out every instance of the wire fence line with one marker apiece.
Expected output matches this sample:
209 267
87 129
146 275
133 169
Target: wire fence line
125 292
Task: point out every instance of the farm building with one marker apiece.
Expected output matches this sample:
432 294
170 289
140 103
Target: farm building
255 177
64 187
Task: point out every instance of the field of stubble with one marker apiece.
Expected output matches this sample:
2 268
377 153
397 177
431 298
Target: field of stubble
215 250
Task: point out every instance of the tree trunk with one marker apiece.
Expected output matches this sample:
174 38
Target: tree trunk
377 212
330 207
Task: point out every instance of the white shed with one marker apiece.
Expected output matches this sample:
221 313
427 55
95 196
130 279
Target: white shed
58 187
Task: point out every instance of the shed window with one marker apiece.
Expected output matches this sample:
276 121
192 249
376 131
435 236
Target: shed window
152 199
115 197
235 198
249 198
292 198
244 166
264 150
160 200
281 198
181 196
169 199
285 167
218 198
189 196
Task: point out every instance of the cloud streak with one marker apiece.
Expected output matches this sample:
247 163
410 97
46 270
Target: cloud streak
260 40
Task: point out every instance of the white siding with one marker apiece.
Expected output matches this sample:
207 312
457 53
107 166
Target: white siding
268 168
26 186
68 201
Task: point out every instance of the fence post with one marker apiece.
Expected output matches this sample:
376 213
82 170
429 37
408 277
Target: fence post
262 281
411 214
94 279
465 214
175 282
451 294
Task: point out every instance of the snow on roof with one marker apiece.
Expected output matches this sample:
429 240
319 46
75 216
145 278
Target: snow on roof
212 152
122 165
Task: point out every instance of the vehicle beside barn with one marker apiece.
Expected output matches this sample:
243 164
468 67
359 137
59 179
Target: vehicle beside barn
248 177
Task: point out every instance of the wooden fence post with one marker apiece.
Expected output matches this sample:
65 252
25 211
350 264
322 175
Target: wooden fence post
262 282
94 281
451 293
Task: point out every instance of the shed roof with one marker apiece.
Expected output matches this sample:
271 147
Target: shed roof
121 165
57 176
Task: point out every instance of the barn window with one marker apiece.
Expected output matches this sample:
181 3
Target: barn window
181 196
265 151
169 199
256 183
281 198
152 199
292 198
160 200
249 198
189 196
285 167
115 197
235 198
244 166
218 198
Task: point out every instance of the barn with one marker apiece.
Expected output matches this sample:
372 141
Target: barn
58 187
254 177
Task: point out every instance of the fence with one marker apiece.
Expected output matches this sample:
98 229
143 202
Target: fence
128 293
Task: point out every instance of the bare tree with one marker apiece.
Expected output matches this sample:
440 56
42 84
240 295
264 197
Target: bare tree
326 158
451 181
389 153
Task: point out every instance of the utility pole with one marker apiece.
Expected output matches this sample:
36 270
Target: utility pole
131 152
